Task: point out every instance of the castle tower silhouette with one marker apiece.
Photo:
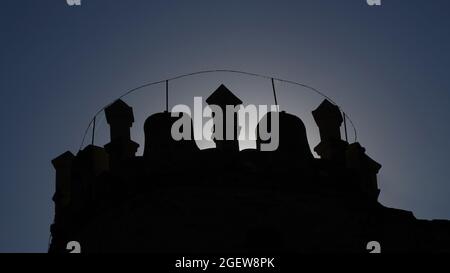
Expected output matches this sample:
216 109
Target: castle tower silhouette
177 198
222 98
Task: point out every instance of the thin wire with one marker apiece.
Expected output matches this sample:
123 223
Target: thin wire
217 71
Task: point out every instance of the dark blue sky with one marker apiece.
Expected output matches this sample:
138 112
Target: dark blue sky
386 66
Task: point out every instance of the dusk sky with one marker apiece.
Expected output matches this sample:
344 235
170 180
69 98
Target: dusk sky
386 66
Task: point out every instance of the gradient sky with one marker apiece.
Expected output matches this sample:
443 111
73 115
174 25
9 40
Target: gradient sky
386 66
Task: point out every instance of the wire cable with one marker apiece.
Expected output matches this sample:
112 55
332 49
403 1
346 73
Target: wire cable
133 90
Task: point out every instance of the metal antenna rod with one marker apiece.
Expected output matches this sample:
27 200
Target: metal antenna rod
275 94
93 130
345 126
167 95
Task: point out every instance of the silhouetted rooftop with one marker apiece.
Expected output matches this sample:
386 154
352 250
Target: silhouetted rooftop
119 109
327 110
223 96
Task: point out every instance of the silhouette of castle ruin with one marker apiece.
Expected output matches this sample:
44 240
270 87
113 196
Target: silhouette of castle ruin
178 198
